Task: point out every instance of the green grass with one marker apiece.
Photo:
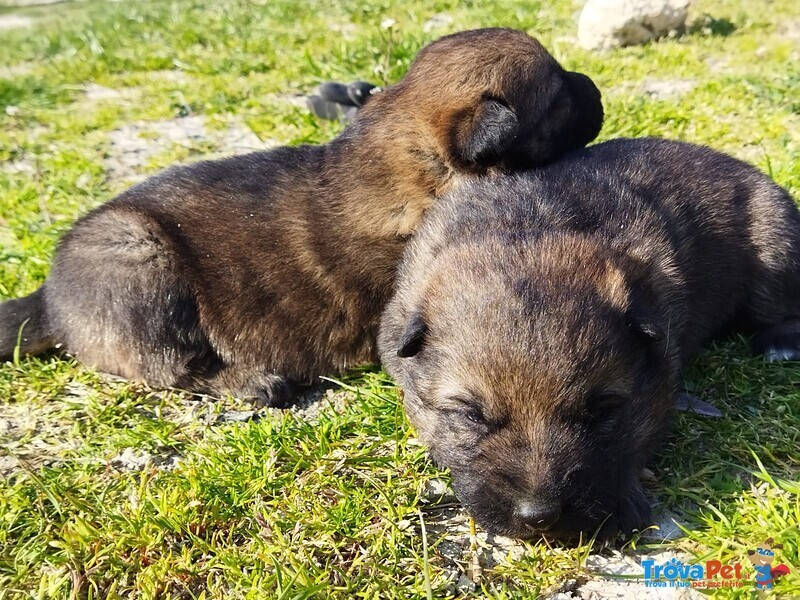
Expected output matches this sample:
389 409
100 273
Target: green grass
284 507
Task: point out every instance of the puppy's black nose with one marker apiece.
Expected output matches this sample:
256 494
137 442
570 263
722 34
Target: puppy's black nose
537 514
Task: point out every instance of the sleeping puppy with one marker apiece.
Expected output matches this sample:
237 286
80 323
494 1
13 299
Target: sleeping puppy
541 321
256 273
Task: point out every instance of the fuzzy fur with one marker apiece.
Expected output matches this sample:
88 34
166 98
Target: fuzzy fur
541 321
253 274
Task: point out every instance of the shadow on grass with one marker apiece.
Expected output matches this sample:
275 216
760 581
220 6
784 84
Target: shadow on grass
710 26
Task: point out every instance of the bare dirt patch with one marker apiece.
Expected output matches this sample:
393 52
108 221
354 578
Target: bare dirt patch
133 146
96 93
21 3
17 70
664 89
790 30
35 435
32 436
658 89
606 574
169 75
12 21
298 100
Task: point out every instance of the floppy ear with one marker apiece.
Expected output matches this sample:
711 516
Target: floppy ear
641 319
632 284
645 326
480 136
413 337
751 552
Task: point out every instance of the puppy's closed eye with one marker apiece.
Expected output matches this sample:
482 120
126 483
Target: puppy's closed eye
603 411
466 409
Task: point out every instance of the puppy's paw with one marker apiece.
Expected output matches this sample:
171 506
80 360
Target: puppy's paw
633 512
272 391
777 354
780 342
323 109
336 101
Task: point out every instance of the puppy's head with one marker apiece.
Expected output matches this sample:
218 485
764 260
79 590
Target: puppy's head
495 98
537 374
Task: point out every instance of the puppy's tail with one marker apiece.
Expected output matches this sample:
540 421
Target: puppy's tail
23 325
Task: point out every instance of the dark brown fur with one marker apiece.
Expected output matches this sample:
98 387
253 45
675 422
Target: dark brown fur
541 320
250 274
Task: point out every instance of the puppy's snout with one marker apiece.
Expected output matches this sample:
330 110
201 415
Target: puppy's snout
537 514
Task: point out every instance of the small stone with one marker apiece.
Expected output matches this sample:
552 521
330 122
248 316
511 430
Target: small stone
437 490
465 585
611 23
450 550
238 416
132 459
77 390
437 21
515 553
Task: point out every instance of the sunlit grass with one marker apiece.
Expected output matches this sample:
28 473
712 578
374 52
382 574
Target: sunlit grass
284 507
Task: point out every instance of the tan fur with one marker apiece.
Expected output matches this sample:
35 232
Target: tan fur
250 274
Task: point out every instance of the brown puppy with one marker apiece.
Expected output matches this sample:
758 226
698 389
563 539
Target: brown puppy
253 273
541 320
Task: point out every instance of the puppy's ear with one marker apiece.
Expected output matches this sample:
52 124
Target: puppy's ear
646 326
479 136
630 285
641 319
413 337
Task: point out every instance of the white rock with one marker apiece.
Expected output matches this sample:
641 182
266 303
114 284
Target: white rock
404 524
610 23
437 490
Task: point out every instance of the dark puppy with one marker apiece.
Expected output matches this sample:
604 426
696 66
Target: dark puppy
250 274
541 320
